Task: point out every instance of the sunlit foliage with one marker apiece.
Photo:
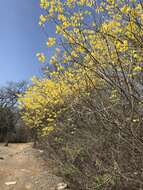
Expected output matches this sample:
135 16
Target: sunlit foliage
46 99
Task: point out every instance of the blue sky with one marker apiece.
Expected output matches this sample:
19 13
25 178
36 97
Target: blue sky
20 39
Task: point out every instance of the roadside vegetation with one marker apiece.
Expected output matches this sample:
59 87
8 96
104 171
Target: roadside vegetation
87 110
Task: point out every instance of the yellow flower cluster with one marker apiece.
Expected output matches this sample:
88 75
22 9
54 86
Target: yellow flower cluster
51 41
41 57
44 4
43 19
46 99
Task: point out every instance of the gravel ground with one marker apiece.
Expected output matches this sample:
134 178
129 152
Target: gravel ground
22 168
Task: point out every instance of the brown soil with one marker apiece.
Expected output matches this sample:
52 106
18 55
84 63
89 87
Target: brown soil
22 164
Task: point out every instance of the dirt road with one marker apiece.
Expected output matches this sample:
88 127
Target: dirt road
22 168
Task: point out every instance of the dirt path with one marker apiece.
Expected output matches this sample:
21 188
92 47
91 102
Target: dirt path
24 166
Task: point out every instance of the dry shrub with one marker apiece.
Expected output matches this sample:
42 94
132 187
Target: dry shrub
97 145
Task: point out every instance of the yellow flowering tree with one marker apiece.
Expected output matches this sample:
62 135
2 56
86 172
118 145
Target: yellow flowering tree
45 100
94 78
102 36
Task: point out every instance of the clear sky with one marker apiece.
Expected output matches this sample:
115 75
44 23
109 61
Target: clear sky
20 39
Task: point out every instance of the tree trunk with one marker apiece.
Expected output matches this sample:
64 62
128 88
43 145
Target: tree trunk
7 138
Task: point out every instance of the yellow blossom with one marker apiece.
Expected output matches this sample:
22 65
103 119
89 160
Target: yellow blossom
51 41
43 19
41 57
44 4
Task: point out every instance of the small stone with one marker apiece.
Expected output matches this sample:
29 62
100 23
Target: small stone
10 183
41 151
61 186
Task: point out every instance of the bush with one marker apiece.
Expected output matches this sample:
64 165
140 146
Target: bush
94 148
